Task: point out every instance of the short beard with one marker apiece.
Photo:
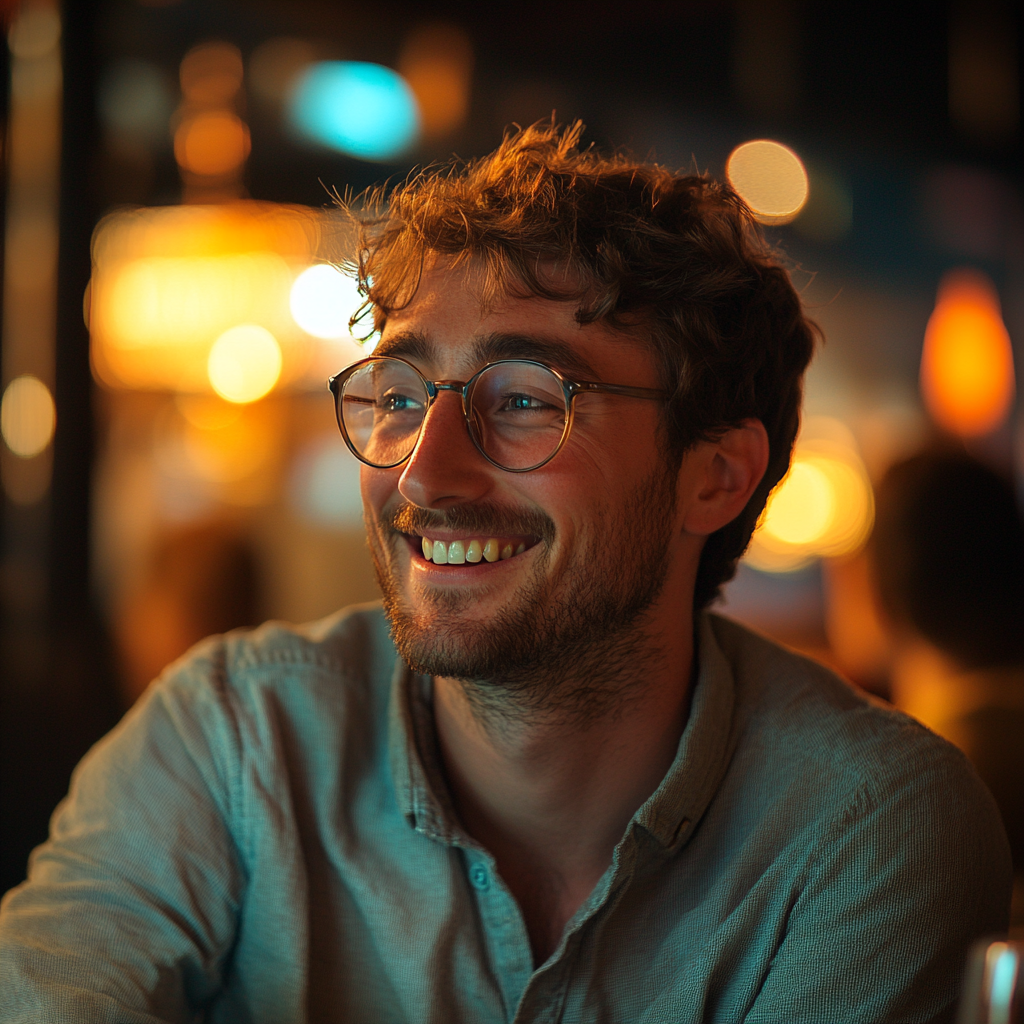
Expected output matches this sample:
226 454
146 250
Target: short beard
575 648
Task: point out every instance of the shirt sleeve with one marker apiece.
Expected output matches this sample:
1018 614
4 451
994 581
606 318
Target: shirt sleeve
129 910
908 877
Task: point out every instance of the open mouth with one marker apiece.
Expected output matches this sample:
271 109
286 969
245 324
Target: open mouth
469 550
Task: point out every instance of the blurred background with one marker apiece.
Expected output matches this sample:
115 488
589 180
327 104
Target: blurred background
170 462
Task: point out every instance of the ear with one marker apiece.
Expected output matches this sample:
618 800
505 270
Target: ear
717 478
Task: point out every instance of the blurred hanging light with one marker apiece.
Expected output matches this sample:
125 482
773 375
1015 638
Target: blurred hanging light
967 377
212 144
822 508
211 141
437 62
168 282
362 110
28 416
770 179
244 363
211 74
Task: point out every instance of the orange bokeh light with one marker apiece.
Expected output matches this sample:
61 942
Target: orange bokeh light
967 377
212 143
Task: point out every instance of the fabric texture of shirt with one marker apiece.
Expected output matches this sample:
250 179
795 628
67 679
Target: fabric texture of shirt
266 837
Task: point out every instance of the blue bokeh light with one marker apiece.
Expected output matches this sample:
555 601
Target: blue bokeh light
363 110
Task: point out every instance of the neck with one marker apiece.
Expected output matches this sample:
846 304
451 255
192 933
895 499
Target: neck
550 794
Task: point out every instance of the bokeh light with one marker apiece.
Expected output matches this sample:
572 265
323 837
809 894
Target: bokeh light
245 363
770 179
323 300
211 74
35 32
822 508
167 282
363 110
28 416
803 509
437 62
135 102
967 376
212 143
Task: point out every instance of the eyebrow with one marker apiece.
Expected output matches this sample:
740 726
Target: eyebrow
498 345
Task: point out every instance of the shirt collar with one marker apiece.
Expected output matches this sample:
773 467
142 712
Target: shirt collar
672 811
420 787
670 814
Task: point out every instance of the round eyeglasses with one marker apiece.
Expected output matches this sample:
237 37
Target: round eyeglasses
518 412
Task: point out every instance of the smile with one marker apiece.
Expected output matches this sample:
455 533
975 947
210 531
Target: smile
472 550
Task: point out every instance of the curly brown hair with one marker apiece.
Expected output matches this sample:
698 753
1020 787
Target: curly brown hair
675 259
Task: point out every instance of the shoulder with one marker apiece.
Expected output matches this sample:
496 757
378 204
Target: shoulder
803 722
247 690
351 647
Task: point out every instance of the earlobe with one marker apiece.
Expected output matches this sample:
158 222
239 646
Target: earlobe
721 476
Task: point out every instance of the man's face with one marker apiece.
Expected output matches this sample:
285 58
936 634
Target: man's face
591 533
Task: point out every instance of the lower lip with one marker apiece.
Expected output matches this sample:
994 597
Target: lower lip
462 573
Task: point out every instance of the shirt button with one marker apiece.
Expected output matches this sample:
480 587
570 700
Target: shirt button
479 877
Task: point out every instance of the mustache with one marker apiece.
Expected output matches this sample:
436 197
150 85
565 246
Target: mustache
485 518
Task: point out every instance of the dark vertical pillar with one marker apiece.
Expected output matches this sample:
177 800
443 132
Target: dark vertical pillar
51 715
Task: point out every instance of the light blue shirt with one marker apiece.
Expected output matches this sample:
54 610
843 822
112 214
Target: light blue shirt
267 837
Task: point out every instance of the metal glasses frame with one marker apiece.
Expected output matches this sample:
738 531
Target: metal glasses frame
570 389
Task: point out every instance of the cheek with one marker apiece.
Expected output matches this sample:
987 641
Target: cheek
378 487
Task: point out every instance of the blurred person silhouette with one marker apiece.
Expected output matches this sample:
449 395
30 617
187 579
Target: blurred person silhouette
201 578
948 557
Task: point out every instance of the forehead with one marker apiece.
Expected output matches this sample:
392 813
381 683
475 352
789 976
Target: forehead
449 330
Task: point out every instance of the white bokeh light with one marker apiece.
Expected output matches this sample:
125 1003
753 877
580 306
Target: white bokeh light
323 300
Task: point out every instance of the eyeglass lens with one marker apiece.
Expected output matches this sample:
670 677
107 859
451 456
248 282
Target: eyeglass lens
517 412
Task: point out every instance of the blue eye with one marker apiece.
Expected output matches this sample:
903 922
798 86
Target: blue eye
522 403
397 403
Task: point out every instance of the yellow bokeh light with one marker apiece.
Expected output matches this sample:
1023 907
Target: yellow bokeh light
167 282
323 300
770 179
212 143
967 377
823 507
802 510
28 416
244 363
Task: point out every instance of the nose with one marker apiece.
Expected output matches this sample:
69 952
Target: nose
445 468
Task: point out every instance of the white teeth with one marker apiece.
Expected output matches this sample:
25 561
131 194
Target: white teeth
506 551
521 548
428 549
456 553
474 552
440 553
491 550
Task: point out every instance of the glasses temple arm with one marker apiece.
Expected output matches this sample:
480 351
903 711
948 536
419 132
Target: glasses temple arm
622 389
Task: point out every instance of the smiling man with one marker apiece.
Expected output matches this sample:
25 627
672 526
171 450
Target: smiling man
543 783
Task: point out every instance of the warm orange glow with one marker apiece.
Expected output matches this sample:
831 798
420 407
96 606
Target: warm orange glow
823 507
967 377
770 179
244 363
211 74
212 143
167 283
27 416
437 62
